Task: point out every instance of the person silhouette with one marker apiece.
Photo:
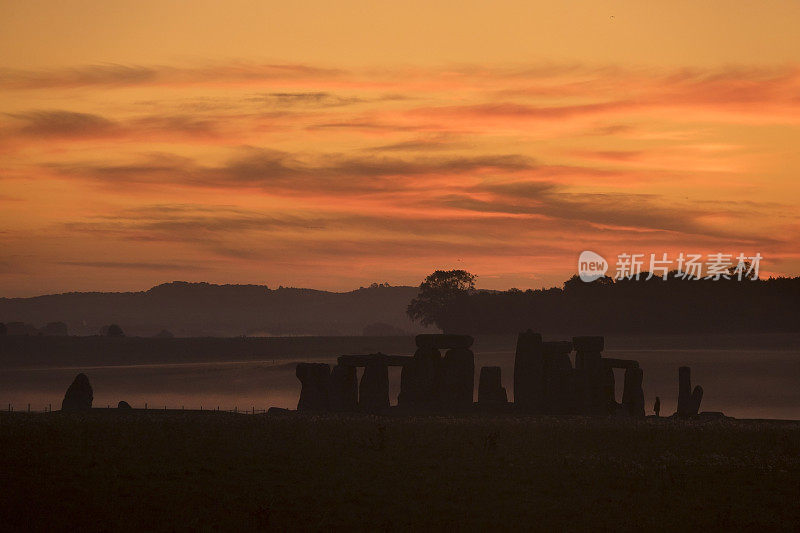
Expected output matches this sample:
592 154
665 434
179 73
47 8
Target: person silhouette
657 406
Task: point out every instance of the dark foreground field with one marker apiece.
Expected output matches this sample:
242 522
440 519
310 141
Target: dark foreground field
188 470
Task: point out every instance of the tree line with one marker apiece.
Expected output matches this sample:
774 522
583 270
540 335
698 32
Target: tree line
450 301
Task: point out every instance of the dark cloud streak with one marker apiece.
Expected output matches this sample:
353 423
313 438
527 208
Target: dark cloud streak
114 75
133 265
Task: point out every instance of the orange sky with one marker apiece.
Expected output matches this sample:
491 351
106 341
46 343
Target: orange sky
333 144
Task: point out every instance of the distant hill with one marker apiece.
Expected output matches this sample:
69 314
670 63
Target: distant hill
204 309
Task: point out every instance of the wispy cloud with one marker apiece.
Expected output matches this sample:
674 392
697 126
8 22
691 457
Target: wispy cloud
305 99
246 167
133 265
113 75
60 123
277 171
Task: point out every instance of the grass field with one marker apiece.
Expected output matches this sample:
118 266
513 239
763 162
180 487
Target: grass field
188 470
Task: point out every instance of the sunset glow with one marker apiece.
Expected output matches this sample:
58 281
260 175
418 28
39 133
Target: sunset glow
222 144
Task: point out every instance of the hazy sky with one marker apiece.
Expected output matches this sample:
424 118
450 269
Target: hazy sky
333 144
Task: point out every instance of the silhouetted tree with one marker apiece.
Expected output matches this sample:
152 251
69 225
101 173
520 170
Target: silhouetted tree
113 330
55 329
21 328
438 298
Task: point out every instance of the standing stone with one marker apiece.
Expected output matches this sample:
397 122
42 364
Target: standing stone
589 374
688 399
314 379
490 387
638 407
558 374
79 395
697 397
343 392
684 390
458 379
633 395
590 378
420 380
408 382
529 373
373 394
586 359
609 390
